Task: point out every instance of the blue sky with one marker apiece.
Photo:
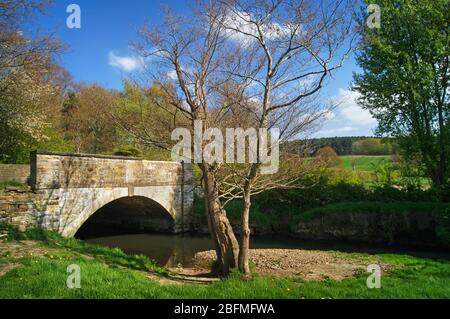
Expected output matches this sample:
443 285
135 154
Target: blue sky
100 52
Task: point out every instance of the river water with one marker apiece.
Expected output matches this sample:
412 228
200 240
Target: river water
179 250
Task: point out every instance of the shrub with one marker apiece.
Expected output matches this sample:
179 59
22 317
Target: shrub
328 156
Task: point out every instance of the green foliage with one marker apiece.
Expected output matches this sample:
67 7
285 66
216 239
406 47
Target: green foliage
127 150
30 82
440 209
87 118
372 146
146 120
10 183
53 142
404 83
328 156
285 206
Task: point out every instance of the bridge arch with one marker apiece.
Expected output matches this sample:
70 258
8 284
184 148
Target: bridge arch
75 213
130 213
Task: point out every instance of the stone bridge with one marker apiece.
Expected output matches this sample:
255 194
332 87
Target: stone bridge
69 189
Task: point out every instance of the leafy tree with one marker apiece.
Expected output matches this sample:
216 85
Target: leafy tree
31 84
328 156
405 79
87 120
372 146
30 100
143 116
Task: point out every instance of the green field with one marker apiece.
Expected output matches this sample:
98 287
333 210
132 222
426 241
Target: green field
363 163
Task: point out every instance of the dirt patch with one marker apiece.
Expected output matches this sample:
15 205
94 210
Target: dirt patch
179 276
18 249
7 268
308 265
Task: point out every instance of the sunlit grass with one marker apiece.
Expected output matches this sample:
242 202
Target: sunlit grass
112 274
363 163
46 278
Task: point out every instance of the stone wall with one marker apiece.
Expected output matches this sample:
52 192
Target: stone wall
58 170
19 173
17 209
419 229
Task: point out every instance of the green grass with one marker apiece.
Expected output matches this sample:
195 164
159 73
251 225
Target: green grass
11 183
114 257
363 163
46 278
112 274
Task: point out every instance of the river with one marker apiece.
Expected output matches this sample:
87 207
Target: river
179 250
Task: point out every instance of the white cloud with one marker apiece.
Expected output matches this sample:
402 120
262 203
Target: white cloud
348 118
172 75
351 112
238 20
336 131
125 63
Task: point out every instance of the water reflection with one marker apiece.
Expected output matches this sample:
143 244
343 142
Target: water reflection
167 250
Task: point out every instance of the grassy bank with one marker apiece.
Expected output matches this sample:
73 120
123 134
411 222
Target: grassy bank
4 184
437 208
109 273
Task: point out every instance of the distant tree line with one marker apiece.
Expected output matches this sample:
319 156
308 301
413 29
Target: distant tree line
346 145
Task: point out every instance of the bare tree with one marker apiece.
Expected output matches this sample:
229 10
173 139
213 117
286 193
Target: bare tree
191 52
250 64
286 52
19 47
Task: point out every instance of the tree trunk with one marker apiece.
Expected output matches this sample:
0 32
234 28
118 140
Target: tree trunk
210 225
244 249
225 242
